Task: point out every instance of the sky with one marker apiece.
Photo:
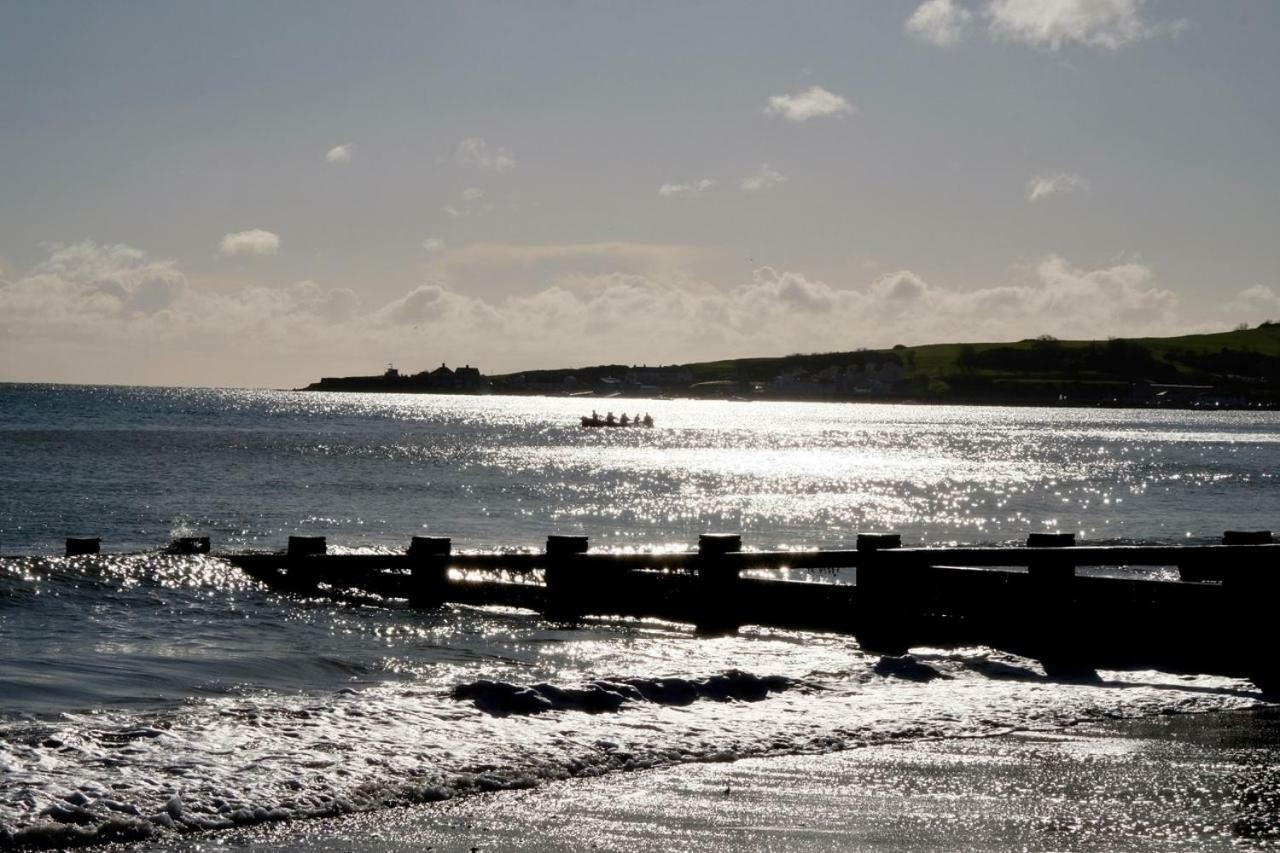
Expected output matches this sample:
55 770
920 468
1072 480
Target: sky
262 193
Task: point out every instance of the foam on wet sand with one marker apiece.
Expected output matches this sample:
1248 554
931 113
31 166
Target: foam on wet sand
1179 782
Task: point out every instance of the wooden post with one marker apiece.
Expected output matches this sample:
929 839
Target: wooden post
78 545
190 545
429 564
1252 588
881 621
718 589
307 546
1057 566
564 579
301 547
878 541
1048 616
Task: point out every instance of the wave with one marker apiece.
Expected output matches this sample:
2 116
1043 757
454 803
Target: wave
171 695
502 699
238 761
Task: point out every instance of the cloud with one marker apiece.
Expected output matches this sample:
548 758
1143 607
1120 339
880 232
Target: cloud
1053 24
1119 297
334 304
434 244
474 151
473 204
898 287
1043 186
1254 305
341 153
252 242
86 280
112 313
814 102
939 22
690 190
761 179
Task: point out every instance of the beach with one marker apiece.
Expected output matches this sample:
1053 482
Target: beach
1172 782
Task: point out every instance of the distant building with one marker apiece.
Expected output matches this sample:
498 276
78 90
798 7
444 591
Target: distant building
467 377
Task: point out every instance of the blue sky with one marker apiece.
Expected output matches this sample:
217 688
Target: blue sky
259 193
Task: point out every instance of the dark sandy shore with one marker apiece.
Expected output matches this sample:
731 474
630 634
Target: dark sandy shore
1193 782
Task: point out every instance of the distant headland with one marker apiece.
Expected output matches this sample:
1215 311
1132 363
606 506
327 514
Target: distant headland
1235 369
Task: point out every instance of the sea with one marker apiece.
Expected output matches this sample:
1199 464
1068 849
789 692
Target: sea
151 698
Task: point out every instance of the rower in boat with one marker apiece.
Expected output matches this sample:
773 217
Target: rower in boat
611 420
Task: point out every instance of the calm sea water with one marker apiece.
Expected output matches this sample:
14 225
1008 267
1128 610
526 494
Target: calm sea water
135 465
143 695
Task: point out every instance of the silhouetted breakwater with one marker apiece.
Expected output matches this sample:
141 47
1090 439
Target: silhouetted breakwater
1029 601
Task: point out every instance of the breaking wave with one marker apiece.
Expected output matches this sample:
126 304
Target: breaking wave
502 699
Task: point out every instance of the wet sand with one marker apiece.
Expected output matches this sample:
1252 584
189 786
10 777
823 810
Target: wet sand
1190 782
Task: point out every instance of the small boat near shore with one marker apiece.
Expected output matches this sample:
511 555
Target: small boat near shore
609 421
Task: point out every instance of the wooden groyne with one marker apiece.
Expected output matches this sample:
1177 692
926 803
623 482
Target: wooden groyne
1215 618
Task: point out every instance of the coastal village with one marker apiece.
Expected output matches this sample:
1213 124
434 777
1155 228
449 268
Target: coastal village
1223 370
871 378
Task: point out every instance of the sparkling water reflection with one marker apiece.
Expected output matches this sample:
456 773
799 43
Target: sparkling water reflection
250 467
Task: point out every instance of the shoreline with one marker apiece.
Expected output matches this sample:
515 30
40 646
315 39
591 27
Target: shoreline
981 402
985 402
1184 781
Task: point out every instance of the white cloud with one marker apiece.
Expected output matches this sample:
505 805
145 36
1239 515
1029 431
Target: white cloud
341 153
474 151
112 313
86 280
1254 305
1114 300
252 242
690 190
761 179
1053 24
814 102
1043 186
939 22
335 304
473 204
434 244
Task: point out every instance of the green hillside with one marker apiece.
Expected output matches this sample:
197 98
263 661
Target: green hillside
1244 362
1187 356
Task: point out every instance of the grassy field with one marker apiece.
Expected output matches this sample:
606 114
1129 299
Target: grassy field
942 359
1245 361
